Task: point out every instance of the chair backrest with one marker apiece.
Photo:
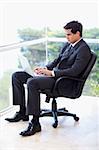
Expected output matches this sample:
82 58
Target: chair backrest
85 75
72 88
90 65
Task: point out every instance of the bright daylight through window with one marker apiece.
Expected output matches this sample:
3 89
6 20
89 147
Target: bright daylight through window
25 21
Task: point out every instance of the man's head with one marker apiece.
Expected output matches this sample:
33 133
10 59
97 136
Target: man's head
73 31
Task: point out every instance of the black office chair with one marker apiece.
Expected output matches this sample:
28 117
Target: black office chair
62 88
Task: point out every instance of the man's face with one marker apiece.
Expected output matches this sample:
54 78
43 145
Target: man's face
71 37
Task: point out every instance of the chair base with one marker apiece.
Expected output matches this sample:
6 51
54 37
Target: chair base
57 112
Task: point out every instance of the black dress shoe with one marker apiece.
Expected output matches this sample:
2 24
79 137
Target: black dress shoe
31 129
17 117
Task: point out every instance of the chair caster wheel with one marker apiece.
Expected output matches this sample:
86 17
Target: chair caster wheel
76 118
55 124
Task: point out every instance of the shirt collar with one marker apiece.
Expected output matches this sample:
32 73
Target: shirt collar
76 42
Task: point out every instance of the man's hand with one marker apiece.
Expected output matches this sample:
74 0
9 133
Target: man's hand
44 71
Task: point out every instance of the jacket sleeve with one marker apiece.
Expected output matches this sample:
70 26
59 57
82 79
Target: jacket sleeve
78 66
53 64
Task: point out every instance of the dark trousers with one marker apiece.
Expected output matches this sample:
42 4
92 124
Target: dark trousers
34 86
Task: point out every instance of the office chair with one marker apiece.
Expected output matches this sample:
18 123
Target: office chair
62 88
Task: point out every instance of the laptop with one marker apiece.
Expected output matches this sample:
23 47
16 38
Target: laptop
25 65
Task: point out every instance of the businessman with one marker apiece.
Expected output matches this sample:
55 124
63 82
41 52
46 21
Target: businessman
71 61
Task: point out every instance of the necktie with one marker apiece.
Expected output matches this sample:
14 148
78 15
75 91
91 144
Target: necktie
67 52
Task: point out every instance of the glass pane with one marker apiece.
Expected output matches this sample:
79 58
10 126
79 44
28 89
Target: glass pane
26 21
9 63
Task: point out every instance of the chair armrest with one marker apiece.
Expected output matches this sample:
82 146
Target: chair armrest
67 77
61 81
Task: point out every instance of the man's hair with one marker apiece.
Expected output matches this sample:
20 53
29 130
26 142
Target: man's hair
74 26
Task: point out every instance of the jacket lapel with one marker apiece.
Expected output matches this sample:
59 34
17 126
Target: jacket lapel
69 51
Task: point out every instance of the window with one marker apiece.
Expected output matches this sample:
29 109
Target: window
17 18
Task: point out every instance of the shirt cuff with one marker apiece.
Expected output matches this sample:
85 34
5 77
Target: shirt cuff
53 74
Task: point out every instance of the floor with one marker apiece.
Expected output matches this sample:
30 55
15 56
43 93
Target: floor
69 135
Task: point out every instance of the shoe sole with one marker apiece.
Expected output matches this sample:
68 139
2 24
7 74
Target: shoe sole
24 135
24 119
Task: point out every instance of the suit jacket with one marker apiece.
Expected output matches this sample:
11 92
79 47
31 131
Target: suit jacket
73 66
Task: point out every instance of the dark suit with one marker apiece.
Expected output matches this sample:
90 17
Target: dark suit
71 65
75 64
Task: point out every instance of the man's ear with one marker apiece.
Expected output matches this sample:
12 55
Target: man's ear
78 33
